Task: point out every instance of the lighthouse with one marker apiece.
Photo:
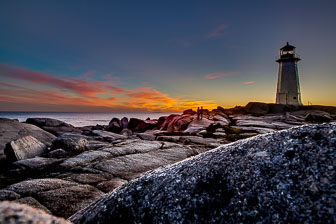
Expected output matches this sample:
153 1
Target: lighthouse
288 87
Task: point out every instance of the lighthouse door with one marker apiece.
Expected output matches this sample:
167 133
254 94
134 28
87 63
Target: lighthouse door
282 98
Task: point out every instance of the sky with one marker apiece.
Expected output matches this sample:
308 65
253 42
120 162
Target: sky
160 56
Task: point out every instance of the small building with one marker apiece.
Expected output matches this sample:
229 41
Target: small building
288 87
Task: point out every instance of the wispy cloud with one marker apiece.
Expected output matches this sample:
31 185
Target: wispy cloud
217 75
217 32
111 77
34 87
75 85
248 82
87 75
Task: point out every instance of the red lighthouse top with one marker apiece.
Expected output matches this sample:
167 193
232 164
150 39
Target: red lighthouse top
287 52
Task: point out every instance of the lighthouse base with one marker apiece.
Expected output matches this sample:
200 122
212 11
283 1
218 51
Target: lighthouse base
287 98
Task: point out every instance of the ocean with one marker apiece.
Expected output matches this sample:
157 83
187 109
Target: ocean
79 119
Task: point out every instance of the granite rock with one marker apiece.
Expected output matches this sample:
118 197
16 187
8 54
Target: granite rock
11 212
12 129
24 148
282 177
70 143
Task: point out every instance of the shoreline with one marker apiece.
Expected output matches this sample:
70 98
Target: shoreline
44 159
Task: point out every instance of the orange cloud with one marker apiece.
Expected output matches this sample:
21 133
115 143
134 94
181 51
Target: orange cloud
16 93
217 75
33 87
248 82
47 89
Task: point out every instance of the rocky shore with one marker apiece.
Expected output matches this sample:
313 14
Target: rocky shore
61 169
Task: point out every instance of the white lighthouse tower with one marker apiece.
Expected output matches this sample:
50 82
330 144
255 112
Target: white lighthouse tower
288 88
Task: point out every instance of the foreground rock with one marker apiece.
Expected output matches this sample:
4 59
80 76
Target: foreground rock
62 198
24 148
282 177
11 130
63 182
11 212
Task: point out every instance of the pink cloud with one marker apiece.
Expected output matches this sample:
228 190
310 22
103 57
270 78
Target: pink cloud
27 87
217 32
217 75
81 87
88 76
248 82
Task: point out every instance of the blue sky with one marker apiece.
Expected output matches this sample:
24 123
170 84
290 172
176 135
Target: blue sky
164 49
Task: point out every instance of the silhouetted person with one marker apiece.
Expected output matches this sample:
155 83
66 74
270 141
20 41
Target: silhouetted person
201 112
198 113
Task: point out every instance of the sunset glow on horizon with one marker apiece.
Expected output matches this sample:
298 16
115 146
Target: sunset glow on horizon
160 56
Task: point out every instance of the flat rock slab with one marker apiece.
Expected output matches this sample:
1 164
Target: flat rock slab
38 163
108 135
89 178
11 212
129 166
32 187
282 177
146 136
24 148
259 130
202 123
84 159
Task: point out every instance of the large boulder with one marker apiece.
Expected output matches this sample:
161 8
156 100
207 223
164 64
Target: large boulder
256 108
41 122
24 148
167 121
11 212
282 177
161 122
151 124
12 129
124 122
114 125
70 143
198 125
190 112
136 125
179 123
53 126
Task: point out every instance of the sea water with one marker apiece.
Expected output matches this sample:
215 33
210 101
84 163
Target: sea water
79 119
